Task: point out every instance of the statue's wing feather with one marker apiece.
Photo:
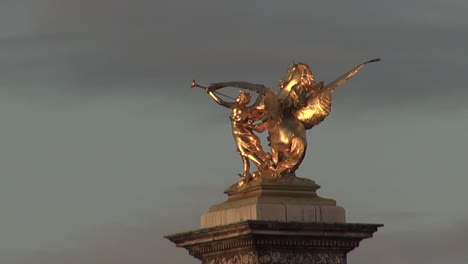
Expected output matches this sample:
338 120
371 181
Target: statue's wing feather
343 78
243 85
318 106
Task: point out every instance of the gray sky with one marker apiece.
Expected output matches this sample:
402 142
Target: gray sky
105 148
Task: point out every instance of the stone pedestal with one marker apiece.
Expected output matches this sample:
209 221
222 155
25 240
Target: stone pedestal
286 199
274 221
273 242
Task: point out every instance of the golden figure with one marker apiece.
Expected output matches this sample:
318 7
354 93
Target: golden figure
300 104
242 119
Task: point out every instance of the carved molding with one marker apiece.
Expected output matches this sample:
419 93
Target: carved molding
335 244
300 257
279 256
274 242
222 246
249 257
323 243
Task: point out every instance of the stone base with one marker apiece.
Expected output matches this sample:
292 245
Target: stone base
274 221
283 199
275 212
262 242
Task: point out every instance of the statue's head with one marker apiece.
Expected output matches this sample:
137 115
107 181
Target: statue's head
298 73
243 97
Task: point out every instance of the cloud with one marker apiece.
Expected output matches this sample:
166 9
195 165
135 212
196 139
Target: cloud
93 48
443 244
126 245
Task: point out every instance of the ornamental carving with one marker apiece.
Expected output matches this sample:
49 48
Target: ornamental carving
278 257
239 258
297 257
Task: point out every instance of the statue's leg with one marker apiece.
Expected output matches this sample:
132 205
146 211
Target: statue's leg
255 158
266 158
293 158
274 156
246 163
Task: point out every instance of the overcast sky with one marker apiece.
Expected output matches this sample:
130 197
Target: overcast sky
105 148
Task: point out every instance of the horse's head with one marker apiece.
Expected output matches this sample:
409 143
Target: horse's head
298 73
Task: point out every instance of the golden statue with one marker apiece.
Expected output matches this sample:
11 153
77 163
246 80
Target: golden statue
300 104
242 118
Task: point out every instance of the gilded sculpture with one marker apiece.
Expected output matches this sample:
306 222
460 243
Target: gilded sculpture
300 104
242 117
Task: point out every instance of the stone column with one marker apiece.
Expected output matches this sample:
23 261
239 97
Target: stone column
274 221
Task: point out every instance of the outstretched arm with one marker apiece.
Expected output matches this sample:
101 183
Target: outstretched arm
219 100
260 127
259 99
242 85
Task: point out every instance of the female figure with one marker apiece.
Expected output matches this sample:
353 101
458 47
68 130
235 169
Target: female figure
242 118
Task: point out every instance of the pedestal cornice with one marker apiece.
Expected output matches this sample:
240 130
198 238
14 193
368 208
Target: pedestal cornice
258 240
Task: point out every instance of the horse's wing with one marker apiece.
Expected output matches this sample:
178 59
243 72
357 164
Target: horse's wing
318 106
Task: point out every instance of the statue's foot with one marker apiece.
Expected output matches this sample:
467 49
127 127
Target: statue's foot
246 177
240 183
267 172
256 175
287 173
